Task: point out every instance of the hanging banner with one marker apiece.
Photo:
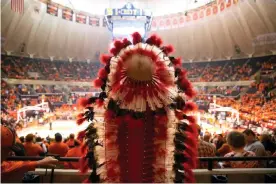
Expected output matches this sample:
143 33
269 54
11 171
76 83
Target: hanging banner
229 3
168 24
188 18
81 18
52 9
153 25
174 22
201 13
215 9
67 14
161 23
94 21
195 16
208 11
181 20
221 7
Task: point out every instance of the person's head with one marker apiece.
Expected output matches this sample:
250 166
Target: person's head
71 136
220 137
29 138
7 141
22 139
38 139
264 138
207 137
236 140
58 137
250 136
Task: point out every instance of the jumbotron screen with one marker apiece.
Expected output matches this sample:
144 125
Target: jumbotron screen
124 28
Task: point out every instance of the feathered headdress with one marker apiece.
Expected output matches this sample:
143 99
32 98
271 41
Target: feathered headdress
147 135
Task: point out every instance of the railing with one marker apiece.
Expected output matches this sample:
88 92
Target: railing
210 160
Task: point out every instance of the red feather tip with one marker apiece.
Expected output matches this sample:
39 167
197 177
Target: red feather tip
158 42
102 73
82 102
126 42
80 115
80 121
177 62
168 49
118 44
105 58
136 38
190 106
98 83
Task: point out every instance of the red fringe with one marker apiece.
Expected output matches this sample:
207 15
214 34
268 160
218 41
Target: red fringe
190 106
102 73
86 181
154 40
136 38
81 135
105 59
109 114
179 115
114 51
82 102
80 121
185 84
168 49
189 175
83 165
119 45
84 149
98 83
100 102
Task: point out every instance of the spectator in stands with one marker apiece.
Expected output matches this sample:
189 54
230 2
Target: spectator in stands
58 147
252 144
207 137
71 142
76 151
274 136
223 150
41 144
205 149
269 146
32 149
219 141
12 171
236 140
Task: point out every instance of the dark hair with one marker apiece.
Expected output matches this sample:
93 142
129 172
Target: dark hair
236 139
58 137
22 139
29 138
249 132
38 139
71 136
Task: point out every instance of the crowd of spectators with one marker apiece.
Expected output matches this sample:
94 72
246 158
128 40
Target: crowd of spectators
42 69
215 71
237 144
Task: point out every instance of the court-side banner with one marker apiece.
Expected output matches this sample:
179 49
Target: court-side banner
52 9
94 21
67 14
181 19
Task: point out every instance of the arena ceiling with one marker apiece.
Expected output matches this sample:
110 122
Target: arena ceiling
246 29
